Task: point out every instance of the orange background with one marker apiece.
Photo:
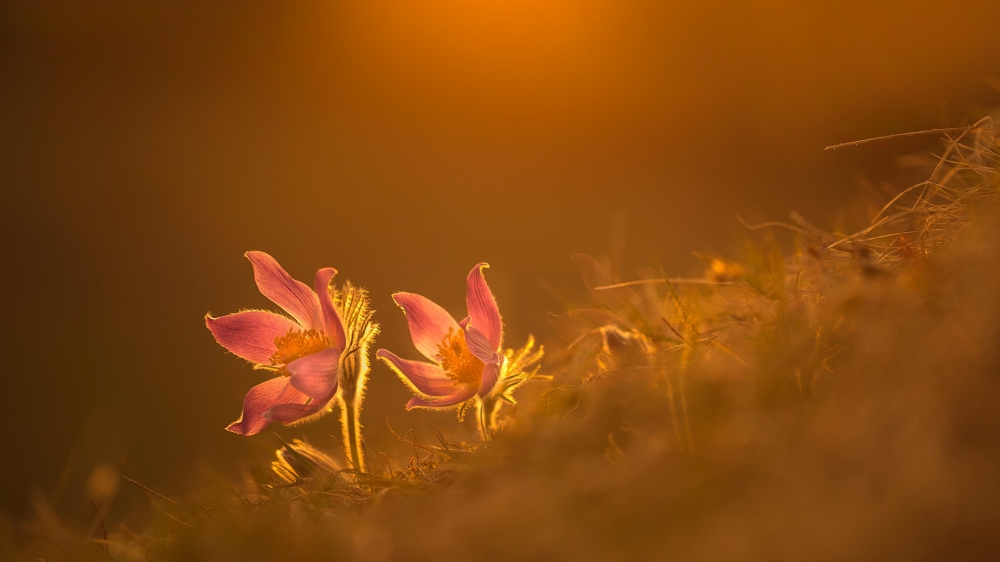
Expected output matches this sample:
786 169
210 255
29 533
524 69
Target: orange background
146 146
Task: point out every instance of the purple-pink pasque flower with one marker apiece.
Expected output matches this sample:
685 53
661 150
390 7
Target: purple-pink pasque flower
465 358
303 350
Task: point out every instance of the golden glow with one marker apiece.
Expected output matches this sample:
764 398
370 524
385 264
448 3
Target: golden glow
462 366
724 271
296 344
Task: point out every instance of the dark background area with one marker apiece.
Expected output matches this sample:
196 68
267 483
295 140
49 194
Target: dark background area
146 145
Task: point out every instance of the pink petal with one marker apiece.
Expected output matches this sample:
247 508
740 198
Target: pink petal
250 334
491 373
332 325
316 374
295 297
287 413
425 378
483 307
444 402
479 345
429 323
262 398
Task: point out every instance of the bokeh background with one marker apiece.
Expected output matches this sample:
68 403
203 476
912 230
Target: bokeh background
146 145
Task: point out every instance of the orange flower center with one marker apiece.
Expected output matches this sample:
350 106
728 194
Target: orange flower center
462 366
295 344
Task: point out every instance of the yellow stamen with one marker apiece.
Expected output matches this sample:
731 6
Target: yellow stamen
295 344
462 366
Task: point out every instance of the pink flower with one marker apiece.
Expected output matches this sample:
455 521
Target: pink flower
304 350
465 358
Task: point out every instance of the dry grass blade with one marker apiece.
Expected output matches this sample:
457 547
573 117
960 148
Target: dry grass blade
903 135
157 494
104 529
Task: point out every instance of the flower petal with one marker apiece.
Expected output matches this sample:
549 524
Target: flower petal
262 398
250 334
483 307
479 345
332 325
480 348
287 413
425 378
443 402
428 322
295 297
316 374
491 373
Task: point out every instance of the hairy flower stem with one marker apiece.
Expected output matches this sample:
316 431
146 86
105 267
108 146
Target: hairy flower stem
360 331
350 421
481 417
486 417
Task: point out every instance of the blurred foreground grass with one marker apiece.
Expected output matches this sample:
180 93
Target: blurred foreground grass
818 396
